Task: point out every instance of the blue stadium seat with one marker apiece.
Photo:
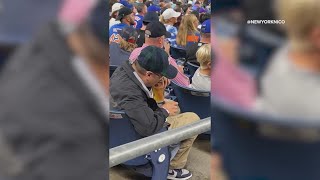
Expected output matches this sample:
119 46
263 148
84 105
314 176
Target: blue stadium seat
249 153
121 131
191 100
191 68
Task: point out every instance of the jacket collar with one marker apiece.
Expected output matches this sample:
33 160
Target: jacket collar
129 71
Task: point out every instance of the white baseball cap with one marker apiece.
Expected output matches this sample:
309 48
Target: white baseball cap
169 13
116 7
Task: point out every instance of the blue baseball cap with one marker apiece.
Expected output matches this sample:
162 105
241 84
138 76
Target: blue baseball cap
154 8
203 10
195 8
126 4
206 26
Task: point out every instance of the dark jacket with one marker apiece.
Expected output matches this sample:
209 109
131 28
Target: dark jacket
48 116
128 94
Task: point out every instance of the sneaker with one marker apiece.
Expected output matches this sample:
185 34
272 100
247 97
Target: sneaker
181 174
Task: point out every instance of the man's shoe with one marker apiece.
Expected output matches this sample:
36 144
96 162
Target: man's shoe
181 174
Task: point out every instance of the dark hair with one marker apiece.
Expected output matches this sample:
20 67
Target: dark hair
149 3
139 7
177 8
185 8
163 9
145 23
196 13
178 3
204 17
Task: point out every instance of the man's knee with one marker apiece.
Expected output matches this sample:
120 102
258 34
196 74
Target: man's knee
190 117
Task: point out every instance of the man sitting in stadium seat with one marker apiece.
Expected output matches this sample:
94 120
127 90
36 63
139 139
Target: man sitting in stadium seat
201 78
130 89
155 36
126 17
290 85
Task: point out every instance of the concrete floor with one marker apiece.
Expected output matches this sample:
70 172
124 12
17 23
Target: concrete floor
198 164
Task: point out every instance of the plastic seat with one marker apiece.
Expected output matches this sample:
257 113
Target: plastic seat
192 68
121 131
191 100
250 153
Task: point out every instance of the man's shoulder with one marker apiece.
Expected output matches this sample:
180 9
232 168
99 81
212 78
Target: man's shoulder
135 53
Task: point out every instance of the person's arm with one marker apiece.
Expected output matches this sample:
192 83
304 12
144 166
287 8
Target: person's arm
181 78
145 120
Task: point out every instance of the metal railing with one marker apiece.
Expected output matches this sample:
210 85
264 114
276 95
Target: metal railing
123 153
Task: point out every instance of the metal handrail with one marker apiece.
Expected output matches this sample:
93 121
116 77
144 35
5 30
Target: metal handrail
123 153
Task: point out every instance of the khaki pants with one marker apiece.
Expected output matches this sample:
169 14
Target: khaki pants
180 159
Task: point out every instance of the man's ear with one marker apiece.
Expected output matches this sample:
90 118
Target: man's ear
209 65
160 41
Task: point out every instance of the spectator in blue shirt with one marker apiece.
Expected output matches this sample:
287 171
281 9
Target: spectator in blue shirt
169 17
126 18
142 10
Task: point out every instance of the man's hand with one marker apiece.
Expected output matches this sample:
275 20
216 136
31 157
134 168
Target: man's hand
172 107
162 84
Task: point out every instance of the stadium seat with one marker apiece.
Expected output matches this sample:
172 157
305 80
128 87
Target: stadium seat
191 100
191 68
249 151
121 131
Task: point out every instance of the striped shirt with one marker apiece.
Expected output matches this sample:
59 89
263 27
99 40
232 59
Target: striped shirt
181 78
173 39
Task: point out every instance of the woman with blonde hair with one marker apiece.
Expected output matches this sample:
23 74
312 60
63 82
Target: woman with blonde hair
188 32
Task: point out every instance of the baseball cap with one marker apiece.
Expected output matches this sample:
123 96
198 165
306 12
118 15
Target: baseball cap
202 10
155 59
156 29
169 13
151 16
205 27
124 11
154 8
116 7
129 34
